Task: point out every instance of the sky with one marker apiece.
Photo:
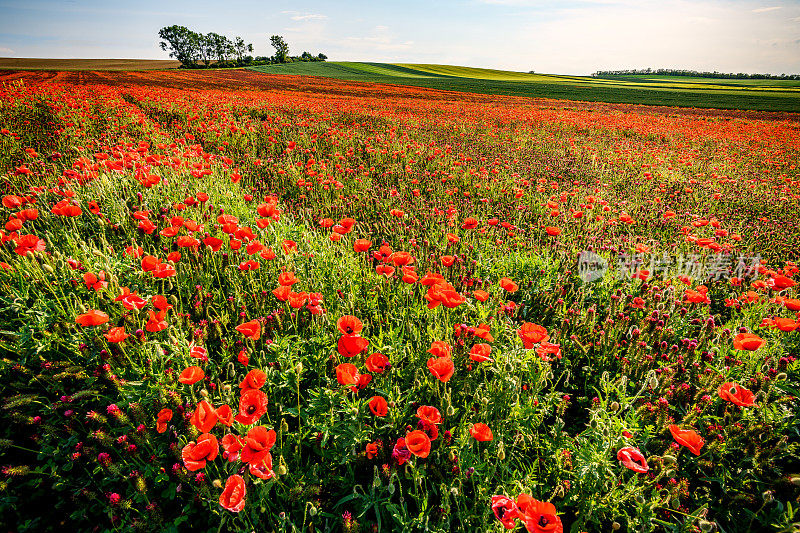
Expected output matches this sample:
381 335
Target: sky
546 36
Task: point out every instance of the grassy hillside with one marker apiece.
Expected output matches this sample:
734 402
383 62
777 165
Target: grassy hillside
761 95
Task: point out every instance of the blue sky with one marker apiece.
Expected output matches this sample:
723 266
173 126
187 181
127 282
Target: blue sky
568 37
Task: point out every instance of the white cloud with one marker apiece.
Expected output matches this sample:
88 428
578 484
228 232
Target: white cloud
765 9
7 51
309 16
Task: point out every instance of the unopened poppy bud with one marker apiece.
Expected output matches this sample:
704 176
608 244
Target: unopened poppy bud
284 426
226 388
501 451
640 499
450 410
653 381
217 483
615 526
782 376
282 470
81 308
48 268
767 496
706 526
390 488
795 480
298 367
312 511
669 459
614 407
204 393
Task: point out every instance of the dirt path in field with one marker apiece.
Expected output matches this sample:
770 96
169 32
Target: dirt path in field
248 80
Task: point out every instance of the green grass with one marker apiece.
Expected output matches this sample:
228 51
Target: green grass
759 95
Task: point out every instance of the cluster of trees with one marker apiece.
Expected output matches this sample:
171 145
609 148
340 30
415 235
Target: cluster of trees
197 50
696 74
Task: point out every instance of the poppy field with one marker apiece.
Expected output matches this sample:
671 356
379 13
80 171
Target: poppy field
231 301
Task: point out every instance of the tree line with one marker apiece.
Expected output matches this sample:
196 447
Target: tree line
198 50
695 74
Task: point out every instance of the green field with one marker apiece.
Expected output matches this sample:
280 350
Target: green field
760 95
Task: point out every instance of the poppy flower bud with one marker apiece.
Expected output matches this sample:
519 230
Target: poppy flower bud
501 451
706 526
615 525
217 483
281 470
614 407
669 459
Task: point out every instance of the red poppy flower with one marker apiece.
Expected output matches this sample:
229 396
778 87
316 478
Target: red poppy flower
378 406
287 279
263 469
505 509
351 345
440 349
371 450
736 394
632 458
480 295
532 334
116 334
255 379
252 406
282 293
480 353
198 352
234 493
204 417
214 243
377 363
349 325
164 416
429 413
225 415
257 444
347 374
156 322
195 455
441 367
418 443
232 444
508 285
553 231
547 349
448 260
688 438
93 317
191 375
361 245
289 247
251 330
481 432
540 517
747 341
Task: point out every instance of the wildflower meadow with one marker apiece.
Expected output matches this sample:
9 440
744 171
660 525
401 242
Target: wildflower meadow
232 301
